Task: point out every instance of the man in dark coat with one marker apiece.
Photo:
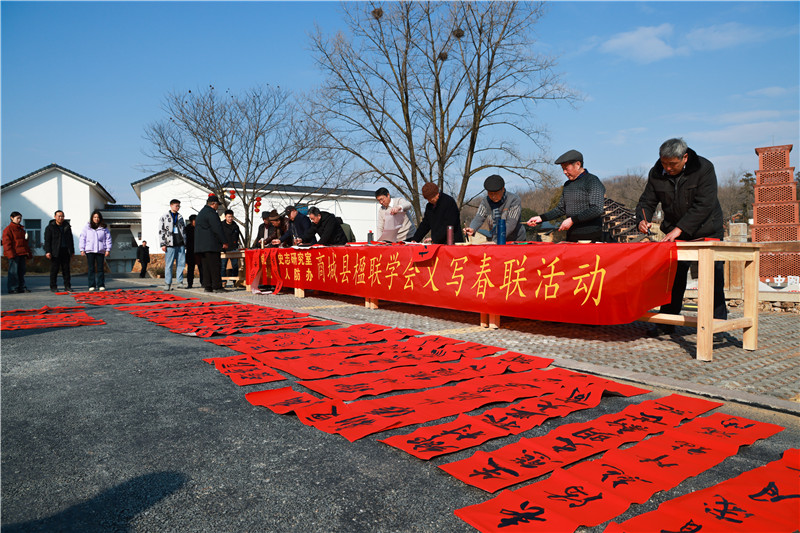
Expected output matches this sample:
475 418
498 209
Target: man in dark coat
209 241
59 247
325 225
299 225
143 256
191 258
582 201
441 212
686 186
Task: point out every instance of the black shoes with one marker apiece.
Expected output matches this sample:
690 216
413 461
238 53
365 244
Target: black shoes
221 290
660 329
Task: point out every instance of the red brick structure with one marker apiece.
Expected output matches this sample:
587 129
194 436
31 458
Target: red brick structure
776 210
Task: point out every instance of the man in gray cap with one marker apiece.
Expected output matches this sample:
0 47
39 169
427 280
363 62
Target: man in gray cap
499 204
582 201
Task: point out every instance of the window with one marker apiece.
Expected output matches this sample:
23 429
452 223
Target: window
34 229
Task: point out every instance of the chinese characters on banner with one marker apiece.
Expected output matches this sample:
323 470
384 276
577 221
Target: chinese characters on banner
762 499
598 490
578 283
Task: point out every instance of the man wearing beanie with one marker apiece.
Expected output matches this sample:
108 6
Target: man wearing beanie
582 201
441 211
496 205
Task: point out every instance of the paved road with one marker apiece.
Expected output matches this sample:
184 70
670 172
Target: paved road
123 427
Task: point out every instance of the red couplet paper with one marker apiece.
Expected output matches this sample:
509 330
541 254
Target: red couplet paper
596 491
244 370
765 499
281 401
123 296
421 376
613 283
567 444
47 317
303 339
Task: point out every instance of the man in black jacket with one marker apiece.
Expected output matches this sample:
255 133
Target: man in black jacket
191 257
299 225
582 201
209 241
686 186
59 248
325 225
441 212
143 256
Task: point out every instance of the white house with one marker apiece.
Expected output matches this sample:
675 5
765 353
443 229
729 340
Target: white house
39 194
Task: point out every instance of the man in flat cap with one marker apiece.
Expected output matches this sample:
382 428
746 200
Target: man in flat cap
441 211
499 204
581 201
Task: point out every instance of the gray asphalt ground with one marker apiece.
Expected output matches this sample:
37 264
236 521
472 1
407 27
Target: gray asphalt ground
123 427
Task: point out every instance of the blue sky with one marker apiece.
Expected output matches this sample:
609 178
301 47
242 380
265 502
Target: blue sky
80 81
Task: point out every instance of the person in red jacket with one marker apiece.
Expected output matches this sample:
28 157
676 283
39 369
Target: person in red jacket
17 250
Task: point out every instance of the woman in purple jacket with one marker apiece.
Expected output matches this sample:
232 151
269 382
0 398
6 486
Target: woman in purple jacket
95 243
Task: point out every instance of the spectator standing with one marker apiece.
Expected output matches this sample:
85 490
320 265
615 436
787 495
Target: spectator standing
16 250
209 241
326 226
143 256
172 233
582 201
59 248
95 244
233 238
499 204
441 212
394 224
299 225
686 186
191 258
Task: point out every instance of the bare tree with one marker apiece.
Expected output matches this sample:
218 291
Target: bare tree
434 91
626 188
249 142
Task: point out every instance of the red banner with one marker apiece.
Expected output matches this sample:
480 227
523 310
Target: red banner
565 282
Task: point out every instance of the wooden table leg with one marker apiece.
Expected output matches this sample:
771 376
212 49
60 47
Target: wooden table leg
484 320
371 303
299 293
750 334
705 305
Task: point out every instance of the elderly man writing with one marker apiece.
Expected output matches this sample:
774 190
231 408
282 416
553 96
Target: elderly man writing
499 204
581 201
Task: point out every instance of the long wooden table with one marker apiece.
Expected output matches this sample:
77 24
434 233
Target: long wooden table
705 253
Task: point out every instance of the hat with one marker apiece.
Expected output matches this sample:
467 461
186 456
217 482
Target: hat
273 215
289 209
494 183
212 198
264 214
569 157
430 190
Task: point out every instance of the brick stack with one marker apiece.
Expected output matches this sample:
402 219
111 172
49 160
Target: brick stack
776 210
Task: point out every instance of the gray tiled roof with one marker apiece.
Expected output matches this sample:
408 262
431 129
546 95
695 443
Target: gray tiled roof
53 166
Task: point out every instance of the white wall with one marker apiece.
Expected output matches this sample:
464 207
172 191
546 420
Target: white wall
155 196
40 197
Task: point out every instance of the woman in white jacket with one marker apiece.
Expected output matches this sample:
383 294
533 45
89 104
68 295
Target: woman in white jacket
95 244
